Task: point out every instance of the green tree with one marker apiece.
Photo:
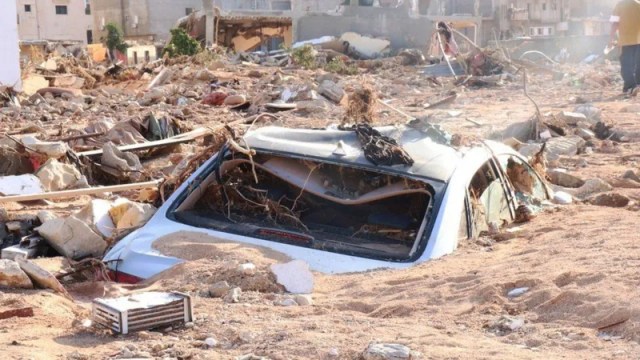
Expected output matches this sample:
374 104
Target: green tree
181 44
114 40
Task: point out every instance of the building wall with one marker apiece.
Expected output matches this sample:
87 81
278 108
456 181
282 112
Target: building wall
42 22
396 25
10 69
163 15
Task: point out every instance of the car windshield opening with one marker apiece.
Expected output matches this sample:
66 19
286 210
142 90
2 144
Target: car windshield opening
312 204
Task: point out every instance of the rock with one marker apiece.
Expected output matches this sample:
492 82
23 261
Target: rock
506 324
562 178
567 145
205 75
96 215
303 300
72 238
562 198
631 175
312 106
121 164
334 353
20 185
41 277
11 276
295 276
517 292
233 296
247 269
211 342
288 302
77 356
586 134
376 351
592 113
14 162
571 118
528 150
56 176
126 214
219 289
610 199
590 187
332 91
53 150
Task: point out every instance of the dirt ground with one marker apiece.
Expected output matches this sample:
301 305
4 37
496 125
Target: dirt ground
578 262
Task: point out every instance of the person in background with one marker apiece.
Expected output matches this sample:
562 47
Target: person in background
625 22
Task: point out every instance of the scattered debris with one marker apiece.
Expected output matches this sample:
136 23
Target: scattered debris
294 276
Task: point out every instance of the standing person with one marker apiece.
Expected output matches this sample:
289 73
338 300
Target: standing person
625 21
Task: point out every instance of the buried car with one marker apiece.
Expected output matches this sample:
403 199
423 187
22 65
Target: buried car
317 196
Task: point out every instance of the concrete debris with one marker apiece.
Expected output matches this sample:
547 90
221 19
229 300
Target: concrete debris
506 325
12 276
53 150
247 269
233 296
219 289
96 215
56 176
72 237
20 185
303 300
380 351
571 118
590 187
121 164
286 302
513 293
592 113
585 134
332 91
564 179
567 145
562 198
363 47
295 276
41 277
127 214
610 200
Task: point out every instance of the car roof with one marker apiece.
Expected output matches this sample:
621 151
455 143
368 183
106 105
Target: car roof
431 160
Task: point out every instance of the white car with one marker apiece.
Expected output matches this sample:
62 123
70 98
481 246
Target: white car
320 199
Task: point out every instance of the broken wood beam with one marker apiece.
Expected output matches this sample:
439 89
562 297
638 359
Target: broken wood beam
442 101
65 194
409 117
81 136
162 77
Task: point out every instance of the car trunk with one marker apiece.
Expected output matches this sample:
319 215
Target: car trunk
320 205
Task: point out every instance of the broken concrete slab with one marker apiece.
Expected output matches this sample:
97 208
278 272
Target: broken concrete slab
73 238
126 214
219 289
119 163
571 118
376 351
32 83
593 114
41 277
20 185
566 145
332 91
96 215
18 252
53 150
11 276
590 187
295 276
56 176
564 179
585 134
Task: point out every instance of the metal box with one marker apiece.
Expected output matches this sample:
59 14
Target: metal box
143 311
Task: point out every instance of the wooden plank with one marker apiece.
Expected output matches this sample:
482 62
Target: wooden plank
78 192
178 139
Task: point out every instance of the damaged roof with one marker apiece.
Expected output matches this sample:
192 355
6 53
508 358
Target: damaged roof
431 160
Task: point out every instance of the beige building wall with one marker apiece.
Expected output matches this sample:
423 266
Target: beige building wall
47 20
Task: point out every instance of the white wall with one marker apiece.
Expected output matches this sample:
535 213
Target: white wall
42 22
10 63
